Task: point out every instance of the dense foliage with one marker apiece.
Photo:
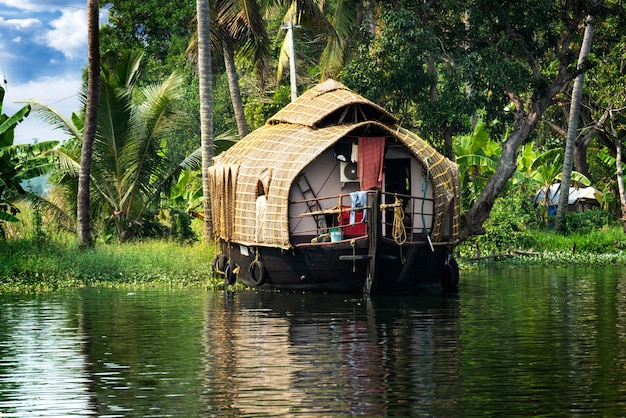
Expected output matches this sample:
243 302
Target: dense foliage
469 76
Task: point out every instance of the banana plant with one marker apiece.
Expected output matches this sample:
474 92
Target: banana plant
477 157
18 163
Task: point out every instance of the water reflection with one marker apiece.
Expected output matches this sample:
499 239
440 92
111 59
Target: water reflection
333 355
513 343
545 342
43 371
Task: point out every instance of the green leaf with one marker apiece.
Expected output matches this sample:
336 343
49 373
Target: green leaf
7 217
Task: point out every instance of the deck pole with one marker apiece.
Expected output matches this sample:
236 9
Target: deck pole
373 230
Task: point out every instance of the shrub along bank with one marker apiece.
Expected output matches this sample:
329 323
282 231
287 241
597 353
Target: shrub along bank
516 235
27 265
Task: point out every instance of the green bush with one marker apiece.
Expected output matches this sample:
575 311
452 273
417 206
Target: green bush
585 222
510 223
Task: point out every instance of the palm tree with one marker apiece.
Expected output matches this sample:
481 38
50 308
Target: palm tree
572 126
237 25
206 107
337 27
93 98
127 173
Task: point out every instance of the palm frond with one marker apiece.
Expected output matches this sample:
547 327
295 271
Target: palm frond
64 219
55 120
65 163
193 161
341 29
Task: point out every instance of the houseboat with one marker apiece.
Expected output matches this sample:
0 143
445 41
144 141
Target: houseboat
332 195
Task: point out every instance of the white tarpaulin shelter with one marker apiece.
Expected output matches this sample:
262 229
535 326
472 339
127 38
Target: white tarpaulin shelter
576 195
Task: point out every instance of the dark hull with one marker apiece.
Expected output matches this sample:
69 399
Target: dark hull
341 267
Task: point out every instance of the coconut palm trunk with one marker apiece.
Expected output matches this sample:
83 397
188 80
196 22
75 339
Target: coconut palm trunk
233 85
620 173
572 126
206 107
85 239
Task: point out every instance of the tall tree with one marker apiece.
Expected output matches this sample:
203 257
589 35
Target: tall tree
572 126
619 173
516 56
206 107
237 26
129 172
85 238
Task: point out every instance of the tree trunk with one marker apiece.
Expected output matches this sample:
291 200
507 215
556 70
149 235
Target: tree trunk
620 182
620 173
233 85
85 239
524 125
206 107
572 126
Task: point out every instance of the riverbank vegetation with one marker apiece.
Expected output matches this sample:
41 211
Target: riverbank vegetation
489 88
31 265
39 257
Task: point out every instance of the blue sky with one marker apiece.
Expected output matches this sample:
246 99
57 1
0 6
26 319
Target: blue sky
43 49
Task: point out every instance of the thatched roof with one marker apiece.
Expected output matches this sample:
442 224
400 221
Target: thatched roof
276 153
331 103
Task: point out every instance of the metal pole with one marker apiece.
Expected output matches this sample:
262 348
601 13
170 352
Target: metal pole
292 62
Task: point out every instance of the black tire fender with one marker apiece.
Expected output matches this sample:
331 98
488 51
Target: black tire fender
219 263
257 273
229 275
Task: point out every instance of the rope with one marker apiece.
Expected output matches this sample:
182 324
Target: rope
340 210
399 230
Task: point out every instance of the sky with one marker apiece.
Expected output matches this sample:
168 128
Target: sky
43 50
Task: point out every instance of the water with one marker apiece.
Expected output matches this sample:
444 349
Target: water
513 343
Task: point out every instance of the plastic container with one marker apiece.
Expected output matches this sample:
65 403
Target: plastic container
336 234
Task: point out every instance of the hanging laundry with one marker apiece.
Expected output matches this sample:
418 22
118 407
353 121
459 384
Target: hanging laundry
358 200
355 153
371 158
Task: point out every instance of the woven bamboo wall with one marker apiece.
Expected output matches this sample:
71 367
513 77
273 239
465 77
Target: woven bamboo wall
276 153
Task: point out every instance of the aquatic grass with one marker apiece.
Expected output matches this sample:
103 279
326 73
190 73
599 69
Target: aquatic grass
603 246
30 265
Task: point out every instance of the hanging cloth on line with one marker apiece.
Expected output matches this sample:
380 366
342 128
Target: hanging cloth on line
371 158
358 200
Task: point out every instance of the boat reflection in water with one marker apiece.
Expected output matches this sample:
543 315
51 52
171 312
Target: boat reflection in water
330 355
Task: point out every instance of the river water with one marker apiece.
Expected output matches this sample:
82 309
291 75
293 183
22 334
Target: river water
524 342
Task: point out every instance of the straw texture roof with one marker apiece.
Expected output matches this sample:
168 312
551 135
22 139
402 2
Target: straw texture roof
273 156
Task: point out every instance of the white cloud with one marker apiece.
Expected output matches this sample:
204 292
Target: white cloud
59 92
20 24
69 35
29 5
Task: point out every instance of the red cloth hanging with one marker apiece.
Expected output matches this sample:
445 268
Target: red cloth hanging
370 164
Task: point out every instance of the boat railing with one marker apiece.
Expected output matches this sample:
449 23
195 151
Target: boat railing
406 218
403 218
339 218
